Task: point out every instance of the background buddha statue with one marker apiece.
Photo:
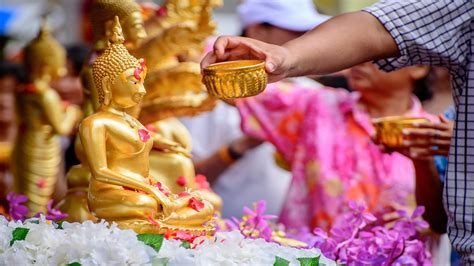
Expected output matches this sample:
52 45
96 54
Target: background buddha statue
43 118
117 147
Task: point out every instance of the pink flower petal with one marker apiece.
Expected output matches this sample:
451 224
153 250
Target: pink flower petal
196 204
144 135
181 181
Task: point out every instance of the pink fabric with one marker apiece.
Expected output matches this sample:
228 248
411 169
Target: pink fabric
326 138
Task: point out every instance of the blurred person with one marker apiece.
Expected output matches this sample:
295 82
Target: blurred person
230 160
325 136
441 98
69 87
428 148
11 76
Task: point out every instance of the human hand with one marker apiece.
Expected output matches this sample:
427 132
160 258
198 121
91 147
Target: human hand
230 48
244 144
427 139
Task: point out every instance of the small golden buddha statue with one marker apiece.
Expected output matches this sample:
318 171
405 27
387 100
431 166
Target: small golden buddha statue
43 118
117 149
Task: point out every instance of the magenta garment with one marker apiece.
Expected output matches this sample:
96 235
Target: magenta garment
326 138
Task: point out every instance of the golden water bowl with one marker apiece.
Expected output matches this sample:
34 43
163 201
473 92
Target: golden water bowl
389 129
235 79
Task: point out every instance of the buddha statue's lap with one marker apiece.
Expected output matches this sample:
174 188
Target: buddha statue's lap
117 148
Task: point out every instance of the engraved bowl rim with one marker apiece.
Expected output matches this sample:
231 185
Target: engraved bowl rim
247 65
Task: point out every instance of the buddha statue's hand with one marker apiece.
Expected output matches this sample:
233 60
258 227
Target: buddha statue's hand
75 111
170 146
163 199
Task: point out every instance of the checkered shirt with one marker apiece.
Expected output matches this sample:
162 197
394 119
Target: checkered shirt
440 33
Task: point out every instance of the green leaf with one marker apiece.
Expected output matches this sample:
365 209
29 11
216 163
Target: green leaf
19 233
309 261
159 261
153 240
60 226
279 261
34 222
74 264
185 244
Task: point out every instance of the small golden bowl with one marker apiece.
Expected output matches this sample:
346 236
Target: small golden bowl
235 79
389 129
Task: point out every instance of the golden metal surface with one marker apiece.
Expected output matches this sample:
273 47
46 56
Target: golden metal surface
117 148
43 118
235 79
389 129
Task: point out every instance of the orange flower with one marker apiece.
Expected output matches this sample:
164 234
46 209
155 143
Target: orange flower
288 126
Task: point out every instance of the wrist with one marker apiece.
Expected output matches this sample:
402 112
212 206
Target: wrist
235 151
229 155
290 61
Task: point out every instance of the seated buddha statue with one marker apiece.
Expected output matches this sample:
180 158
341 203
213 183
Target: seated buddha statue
43 118
168 166
102 15
117 148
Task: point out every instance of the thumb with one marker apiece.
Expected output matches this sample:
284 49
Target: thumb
270 66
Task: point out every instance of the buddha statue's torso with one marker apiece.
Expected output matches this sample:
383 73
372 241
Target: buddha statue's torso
167 167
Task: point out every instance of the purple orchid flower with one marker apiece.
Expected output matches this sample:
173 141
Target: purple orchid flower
16 209
360 238
53 214
257 217
254 223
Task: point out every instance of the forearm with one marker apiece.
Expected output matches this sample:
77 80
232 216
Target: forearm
429 193
68 122
341 42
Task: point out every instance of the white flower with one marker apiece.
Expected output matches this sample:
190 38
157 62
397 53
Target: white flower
103 244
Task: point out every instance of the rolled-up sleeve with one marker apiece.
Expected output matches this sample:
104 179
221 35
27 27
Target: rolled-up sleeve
435 32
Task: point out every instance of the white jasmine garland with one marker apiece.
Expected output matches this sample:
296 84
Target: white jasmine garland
100 244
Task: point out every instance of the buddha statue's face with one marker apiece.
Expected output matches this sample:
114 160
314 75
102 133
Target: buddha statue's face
53 70
134 29
127 89
57 71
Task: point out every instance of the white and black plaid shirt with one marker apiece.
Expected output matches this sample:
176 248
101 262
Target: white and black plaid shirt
441 33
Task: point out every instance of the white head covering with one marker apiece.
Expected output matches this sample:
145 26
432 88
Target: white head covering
294 15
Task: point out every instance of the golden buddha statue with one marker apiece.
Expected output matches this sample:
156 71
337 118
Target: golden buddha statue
102 16
168 166
117 149
43 118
